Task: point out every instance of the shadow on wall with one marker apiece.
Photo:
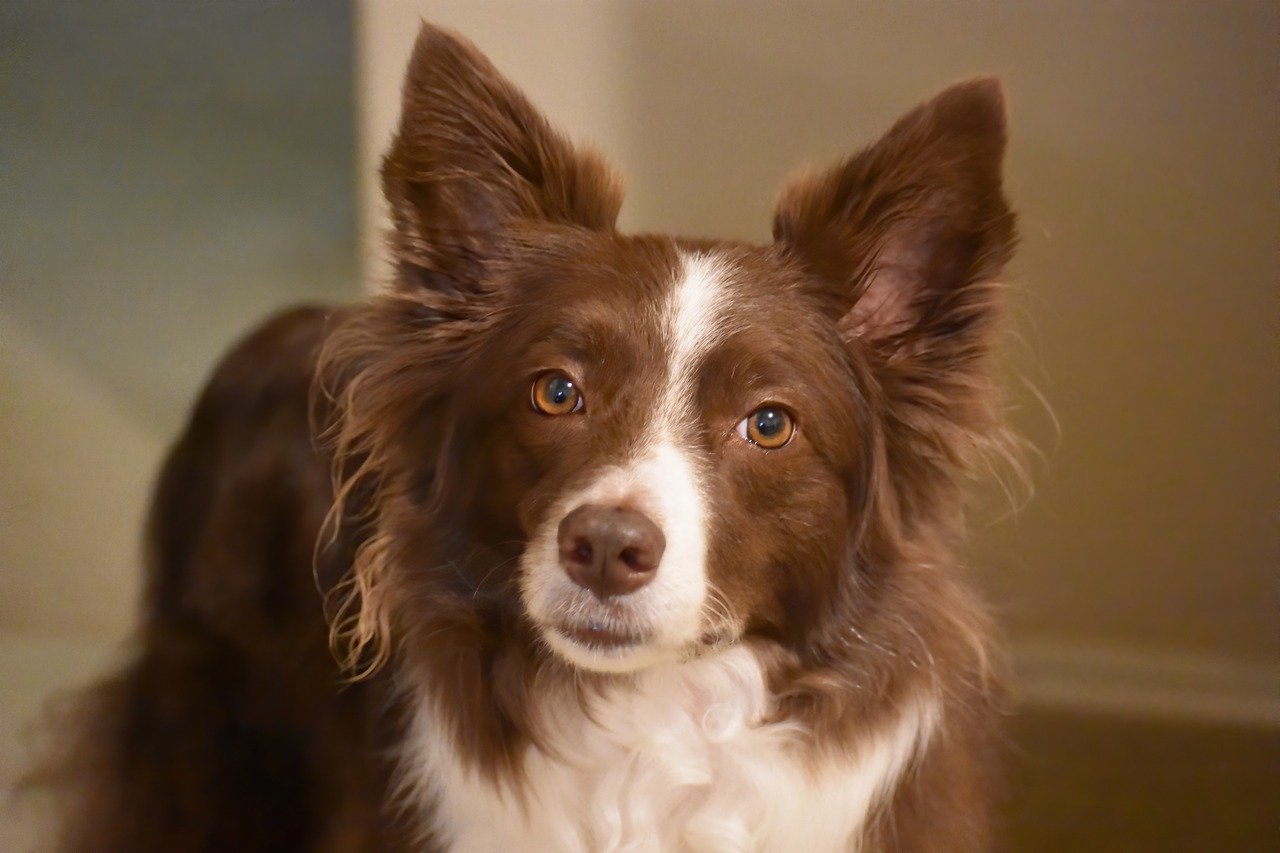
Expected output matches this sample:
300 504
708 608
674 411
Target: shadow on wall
172 172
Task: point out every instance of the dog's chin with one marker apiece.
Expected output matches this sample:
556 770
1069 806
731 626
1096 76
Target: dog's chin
599 646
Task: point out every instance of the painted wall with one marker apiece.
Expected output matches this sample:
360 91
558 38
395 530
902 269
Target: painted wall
1144 143
172 172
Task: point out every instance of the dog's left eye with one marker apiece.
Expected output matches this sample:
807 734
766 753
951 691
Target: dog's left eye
769 427
554 393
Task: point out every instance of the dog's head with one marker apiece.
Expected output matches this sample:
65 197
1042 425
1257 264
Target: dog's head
637 447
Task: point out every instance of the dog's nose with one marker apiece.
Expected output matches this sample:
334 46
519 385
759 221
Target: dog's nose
610 550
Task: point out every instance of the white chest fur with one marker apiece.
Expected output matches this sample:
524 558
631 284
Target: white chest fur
678 762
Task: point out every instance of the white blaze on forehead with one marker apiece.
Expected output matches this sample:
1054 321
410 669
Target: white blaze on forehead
669 467
694 317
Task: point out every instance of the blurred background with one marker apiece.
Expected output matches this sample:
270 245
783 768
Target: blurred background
169 172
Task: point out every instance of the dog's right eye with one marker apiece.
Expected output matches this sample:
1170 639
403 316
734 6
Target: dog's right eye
769 427
554 393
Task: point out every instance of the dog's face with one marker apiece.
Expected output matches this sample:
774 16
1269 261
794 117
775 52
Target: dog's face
664 445
672 432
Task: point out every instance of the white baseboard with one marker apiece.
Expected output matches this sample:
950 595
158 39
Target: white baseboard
1141 682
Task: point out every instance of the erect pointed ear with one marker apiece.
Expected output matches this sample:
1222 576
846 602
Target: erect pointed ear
905 240
471 158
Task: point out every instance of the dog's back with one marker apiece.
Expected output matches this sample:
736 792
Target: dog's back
228 730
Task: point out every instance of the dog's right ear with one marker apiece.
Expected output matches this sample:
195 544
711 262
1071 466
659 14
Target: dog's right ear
472 158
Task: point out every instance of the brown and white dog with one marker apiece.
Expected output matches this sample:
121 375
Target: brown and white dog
637 542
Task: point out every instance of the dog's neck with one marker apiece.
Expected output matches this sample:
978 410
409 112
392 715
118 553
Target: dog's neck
684 756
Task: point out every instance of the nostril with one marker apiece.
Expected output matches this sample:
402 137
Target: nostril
611 551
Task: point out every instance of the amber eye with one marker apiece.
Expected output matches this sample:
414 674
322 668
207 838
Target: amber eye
769 427
556 394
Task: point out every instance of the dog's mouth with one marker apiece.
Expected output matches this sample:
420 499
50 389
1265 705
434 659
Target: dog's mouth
600 635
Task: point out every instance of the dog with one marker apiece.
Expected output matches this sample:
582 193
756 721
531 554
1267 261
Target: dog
622 542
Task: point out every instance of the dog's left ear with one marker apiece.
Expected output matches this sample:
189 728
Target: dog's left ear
906 239
472 159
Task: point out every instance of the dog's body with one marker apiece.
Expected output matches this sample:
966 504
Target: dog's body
637 543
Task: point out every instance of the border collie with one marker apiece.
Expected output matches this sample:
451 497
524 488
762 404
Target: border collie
624 542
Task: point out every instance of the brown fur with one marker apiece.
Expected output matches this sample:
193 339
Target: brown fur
229 731
872 316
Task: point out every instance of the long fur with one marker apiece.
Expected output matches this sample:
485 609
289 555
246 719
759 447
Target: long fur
840 689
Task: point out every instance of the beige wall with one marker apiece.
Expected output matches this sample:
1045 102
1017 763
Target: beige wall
1143 163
